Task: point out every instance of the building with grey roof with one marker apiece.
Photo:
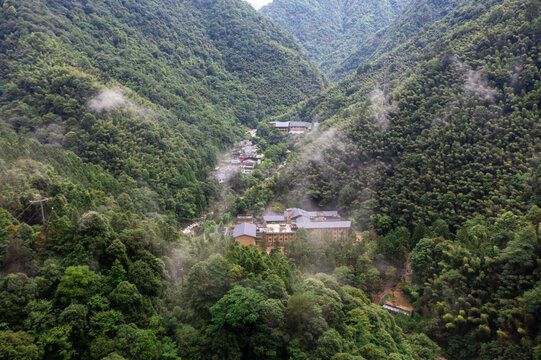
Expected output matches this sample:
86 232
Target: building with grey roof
245 229
309 225
295 218
293 127
274 218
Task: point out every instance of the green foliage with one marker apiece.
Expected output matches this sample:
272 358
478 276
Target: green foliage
436 129
418 16
114 111
18 346
237 309
330 31
532 301
77 285
149 102
481 294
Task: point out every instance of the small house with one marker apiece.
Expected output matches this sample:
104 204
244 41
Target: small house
245 233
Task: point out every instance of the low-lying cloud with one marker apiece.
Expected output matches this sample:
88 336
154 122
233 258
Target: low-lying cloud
114 99
476 82
477 85
108 100
381 108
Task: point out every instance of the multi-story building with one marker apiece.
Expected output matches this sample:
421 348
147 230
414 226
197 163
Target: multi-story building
291 127
282 228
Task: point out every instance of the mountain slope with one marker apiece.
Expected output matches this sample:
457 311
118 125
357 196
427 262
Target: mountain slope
410 147
417 15
330 30
147 90
434 147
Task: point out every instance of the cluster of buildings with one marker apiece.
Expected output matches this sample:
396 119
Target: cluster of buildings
292 127
281 228
245 157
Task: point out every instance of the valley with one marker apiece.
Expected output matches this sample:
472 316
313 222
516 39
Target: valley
317 180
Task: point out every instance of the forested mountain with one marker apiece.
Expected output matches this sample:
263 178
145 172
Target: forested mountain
434 146
430 132
111 115
330 30
418 15
149 91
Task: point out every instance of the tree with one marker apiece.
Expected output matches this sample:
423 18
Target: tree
423 348
78 284
396 243
18 346
5 221
372 352
299 310
206 283
144 277
16 291
441 229
137 344
421 258
532 301
126 297
328 344
238 308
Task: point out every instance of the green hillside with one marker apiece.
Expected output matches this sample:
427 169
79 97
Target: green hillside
439 139
331 30
432 146
113 114
149 91
416 17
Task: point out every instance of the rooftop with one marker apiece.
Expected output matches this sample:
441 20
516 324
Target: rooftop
273 218
324 224
296 212
278 228
283 124
301 124
308 219
245 229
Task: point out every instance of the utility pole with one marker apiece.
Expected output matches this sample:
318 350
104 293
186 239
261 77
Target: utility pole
40 201
386 78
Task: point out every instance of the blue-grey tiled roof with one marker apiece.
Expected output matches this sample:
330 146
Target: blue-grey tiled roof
281 123
301 124
245 229
325 224
274 218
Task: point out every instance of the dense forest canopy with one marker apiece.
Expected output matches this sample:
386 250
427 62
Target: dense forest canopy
433 146
149 91
331 30
418 16
447 133
112 114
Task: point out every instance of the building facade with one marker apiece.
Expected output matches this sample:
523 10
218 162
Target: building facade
293 127
245 233
282 228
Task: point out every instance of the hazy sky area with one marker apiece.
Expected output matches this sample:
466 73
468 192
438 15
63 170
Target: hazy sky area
258 3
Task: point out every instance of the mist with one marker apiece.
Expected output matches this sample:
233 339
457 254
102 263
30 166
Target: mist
476 83
114 99
381 108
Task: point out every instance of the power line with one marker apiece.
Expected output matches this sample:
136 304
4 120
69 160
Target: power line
41 201
22 212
